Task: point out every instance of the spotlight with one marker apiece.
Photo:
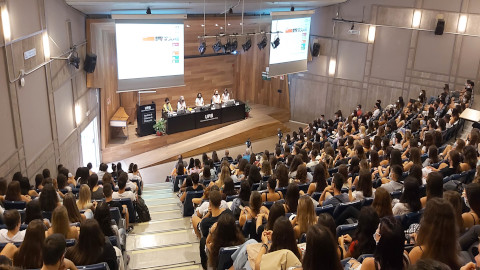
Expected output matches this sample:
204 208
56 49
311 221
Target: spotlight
74 60
262 44
230 11
149 11
247 45
227 47
202 48
276 43
234 45
217 46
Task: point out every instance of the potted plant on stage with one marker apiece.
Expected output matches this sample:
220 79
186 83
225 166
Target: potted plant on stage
247 109
160 127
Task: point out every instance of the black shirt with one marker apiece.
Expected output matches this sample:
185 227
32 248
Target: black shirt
447 171
209 221
118 205
199 187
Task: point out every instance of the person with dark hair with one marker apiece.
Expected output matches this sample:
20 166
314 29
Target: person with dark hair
53 254
321 250
255 207
271 195
243 199
102 169
361 242
33 211
70 204
12 233
336 190
14 193
92 247
389 253
382 203
228 188
291 198
62 183
96 190
438 217
471 218
305 216
434 187
319 181
206 175
202 225
26 189
364 187
45 173
410 199
224 233
393 183
122 193
277 210
48 198
195 186
108 192
104 219
29 254
282 176
61 224
254 176
453 166
281 238
3 186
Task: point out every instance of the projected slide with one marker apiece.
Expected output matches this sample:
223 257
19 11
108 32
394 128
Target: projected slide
149 50
293 46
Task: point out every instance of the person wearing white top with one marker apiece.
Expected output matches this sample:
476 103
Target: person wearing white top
199 101
12 234
225 96
122 194
216 99
181 105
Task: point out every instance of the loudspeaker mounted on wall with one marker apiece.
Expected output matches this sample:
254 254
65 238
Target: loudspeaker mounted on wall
316 49
440 27
90 63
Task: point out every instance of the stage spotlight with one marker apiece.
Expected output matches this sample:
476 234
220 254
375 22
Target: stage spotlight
74 60
234 45
227 47
217 46
262 44
149 11
247 45
276 43
202 48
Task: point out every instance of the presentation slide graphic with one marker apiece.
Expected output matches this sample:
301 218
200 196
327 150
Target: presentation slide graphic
149 50
294 38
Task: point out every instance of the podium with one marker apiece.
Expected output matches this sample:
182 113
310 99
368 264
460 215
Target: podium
146 118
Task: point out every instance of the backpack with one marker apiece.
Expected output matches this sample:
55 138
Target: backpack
143 215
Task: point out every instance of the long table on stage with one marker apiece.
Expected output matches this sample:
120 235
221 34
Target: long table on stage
217 114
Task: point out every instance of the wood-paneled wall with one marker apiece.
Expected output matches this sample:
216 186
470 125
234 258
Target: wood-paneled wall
241 73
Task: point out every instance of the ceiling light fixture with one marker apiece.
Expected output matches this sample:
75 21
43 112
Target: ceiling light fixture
247 45
462 23
417 16
262 44
217 46
202 48
276 43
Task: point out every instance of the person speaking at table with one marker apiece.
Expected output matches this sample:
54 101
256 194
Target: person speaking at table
181 105
167 107
199 101
216 99
225 96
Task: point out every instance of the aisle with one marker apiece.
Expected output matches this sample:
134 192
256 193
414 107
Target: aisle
168 240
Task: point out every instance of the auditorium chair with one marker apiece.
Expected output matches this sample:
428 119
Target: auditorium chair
47 215
410 218
116 215
255 186
304 187
269 204
283 190
266 177
97 266
188 204
231 198
316 196
178 182
367 202
131 208
341 207
363 257
325 209
346 229
19 205
22 227
225 257
2 245
247 228
396 194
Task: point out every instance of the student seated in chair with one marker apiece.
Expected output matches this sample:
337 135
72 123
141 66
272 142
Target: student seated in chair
53 254
107 191
122 194
12 233
335 188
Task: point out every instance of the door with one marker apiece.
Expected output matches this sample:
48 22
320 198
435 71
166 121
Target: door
90 145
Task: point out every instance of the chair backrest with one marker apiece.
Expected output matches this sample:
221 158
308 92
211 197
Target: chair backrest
283 190
115 214
367 202
247 228
396 194
303 238
130 207
269 204
22 227
19 205
255 186
325 209
316 196
97 266
265 177
113 240
341 207
225 257
231 198
70 242
346 229
304 187
363 257
178 182
47 215
411 218
188 204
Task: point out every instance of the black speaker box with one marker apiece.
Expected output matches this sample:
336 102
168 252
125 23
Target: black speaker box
90 63
440 27
316 49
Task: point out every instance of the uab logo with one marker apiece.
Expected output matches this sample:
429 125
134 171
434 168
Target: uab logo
209 116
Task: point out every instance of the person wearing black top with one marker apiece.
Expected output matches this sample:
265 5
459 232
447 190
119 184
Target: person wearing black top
107 191
194 187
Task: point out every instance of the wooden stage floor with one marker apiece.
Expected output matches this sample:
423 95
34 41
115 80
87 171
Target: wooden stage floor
153 150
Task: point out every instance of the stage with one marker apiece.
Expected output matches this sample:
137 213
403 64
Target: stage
152 150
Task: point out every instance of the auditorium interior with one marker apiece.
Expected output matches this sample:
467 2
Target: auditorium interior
324 106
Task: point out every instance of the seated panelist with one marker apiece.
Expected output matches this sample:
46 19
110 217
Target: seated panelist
216 99
181 105
225 96
167 107
199 101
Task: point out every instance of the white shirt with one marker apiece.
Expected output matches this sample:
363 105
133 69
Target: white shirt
376 113
16 238
124 195
199 102
181 106
203 208
225 97
216 99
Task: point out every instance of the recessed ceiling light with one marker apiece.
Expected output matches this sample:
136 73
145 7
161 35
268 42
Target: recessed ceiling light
216 24
229 24
241 23
188 25
221 27
203 25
